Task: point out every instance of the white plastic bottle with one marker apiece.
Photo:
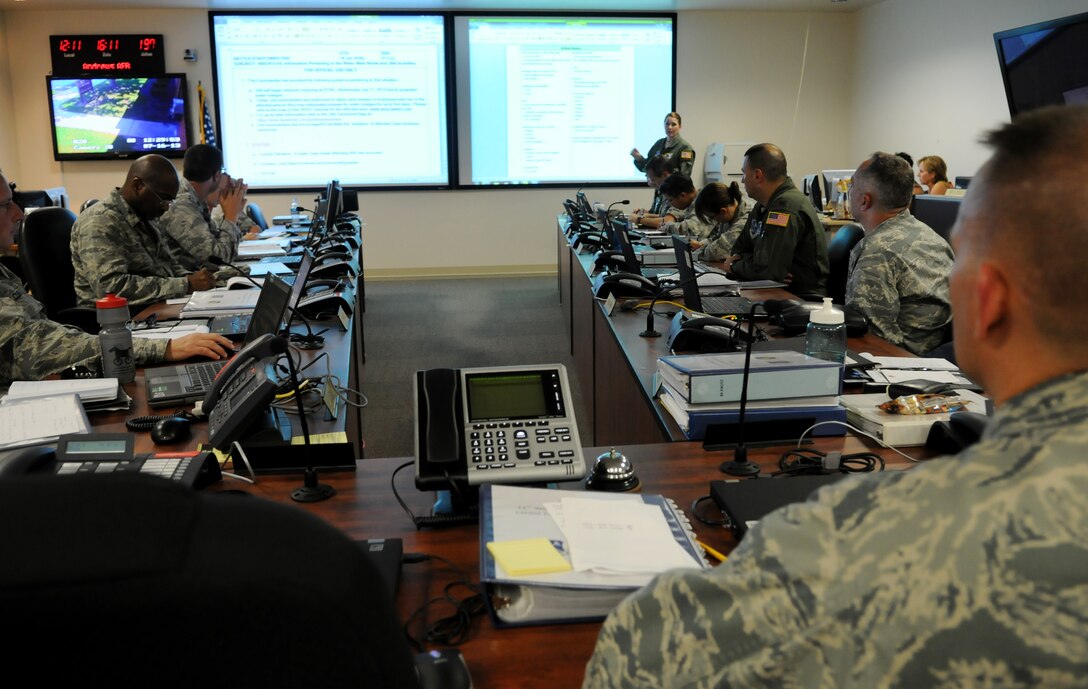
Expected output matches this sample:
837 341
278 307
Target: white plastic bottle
826 335
115 336
294 207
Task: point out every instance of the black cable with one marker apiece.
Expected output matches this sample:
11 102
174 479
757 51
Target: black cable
456 628
800 462
403 505
724 521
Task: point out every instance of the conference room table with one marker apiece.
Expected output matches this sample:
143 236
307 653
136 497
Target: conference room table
615 365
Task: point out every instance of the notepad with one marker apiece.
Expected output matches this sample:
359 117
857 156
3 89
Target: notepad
527 557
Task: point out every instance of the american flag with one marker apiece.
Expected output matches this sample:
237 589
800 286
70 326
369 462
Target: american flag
207 126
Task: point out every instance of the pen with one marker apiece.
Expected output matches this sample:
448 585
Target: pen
710 551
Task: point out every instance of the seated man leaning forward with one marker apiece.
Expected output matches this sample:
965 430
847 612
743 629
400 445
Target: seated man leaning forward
899 270
966 571
191 230
117 246
783 239
682 219
32 346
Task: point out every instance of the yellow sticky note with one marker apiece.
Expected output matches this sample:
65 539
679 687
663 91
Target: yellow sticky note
321 438
528 557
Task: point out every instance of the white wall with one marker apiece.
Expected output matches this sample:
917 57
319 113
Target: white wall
738 80
928 80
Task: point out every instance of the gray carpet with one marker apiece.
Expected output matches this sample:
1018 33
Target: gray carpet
452 323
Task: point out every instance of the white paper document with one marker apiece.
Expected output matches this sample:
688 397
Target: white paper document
891 375
171 333
620 537
221 301
88 389
913 363
41 420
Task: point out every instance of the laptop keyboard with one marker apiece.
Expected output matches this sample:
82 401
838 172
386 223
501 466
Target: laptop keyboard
738 306
201 375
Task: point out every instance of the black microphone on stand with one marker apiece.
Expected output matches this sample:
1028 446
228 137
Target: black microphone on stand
311 490
650 331
740 465
219 263
608 211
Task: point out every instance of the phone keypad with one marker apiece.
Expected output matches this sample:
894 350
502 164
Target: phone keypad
519 449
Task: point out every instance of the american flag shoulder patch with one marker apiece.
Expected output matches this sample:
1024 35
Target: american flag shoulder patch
779 219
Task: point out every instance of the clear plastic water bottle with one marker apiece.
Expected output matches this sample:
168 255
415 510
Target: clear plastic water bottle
115 335
294 208
826 335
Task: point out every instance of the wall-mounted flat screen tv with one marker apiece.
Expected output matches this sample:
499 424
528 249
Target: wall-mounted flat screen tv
1045 63
97 118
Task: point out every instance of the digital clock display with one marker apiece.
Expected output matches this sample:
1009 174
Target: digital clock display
114 54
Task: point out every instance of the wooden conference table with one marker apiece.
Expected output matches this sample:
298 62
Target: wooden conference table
615 366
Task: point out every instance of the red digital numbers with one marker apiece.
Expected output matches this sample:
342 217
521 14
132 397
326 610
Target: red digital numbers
105 44
148 43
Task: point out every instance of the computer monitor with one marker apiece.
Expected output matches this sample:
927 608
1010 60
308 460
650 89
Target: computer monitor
335 196
831 194
584 204
939 212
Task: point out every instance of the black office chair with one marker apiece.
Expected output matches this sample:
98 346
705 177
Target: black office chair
838 257
939 212
126 581
46 257
87 204
255 214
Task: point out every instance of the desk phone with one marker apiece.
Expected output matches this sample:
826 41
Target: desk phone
111 453
509 424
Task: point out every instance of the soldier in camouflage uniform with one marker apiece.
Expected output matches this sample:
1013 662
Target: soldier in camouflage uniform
116 246
679 190
968 571
784 239
32 346
899 271
191 231
725 207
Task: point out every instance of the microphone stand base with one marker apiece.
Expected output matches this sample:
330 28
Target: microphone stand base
311 490
649 333
735 468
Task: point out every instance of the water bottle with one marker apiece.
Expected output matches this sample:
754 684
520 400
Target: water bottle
115 336
294 209
826 335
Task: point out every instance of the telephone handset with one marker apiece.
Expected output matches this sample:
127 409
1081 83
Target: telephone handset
705 334
326 302
623 285
264 346
508 424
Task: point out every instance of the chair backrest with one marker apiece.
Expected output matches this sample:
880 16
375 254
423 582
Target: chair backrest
147 578
87 204
838 258
46 256
939 212
255 214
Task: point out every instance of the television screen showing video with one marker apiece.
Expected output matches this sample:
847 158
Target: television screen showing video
123 117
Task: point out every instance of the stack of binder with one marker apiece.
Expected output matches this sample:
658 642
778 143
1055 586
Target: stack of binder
700 390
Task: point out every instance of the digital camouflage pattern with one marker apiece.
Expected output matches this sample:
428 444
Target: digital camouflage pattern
32 346
899 279
114 251
194 234
687 224
680 154
721 239
969 571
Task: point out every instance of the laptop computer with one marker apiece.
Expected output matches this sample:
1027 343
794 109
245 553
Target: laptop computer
171 386
714 306
266 317
622 241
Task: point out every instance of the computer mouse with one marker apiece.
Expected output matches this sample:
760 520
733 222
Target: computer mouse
172 429
443 670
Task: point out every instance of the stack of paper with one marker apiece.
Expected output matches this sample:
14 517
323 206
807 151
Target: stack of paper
38 420
219 302
261 247
898 369
88 389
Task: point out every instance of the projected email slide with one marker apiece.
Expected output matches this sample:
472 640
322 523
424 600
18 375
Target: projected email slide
307 98
561 99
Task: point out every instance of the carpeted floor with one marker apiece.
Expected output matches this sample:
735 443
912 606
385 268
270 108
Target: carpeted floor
452 323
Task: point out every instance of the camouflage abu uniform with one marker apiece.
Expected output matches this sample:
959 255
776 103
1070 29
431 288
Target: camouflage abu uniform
969 571
721 239
899 279
688 224
194 234
32 346
114 251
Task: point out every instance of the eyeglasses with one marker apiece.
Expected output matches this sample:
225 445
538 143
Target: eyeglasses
163 201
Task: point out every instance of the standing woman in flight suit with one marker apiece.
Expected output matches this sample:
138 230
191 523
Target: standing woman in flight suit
679 152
